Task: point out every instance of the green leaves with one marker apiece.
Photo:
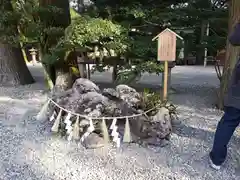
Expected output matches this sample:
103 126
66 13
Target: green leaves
8 26
88 32
132 73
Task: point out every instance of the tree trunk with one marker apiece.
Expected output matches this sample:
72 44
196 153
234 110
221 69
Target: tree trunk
232 52
59 72
200 49
13 69
64 79
115 72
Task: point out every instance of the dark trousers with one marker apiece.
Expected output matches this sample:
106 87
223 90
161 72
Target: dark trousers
224 132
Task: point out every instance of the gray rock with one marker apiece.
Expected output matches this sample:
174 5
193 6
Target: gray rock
83 85
161 124
95 113
129 95
110 93
156 127
175 120
85 98
93 141
88 110
157 142
139 126
84 122
125 89
94 99
162 115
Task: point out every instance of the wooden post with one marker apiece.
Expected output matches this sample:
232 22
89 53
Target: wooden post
165 86
169 78
166 52
88 72
206 49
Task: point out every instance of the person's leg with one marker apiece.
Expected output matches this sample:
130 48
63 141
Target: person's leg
224 132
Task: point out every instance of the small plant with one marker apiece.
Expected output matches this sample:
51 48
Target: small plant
152 100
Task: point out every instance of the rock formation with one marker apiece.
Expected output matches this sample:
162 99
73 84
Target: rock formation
86 98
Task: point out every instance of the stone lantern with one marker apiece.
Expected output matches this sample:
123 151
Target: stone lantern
33 53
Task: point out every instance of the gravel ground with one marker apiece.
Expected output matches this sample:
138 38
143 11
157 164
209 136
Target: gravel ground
28 151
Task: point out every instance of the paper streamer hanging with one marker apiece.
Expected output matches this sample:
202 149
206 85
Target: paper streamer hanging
42 115
76 129
68 122
114 133
68 126
105 131
127 132
90 129
53 116
56 124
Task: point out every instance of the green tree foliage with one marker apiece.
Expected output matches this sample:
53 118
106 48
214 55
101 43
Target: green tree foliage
145 19
196 16
124 26
12 61
136 17
37 24
87 32
150 17
42 23
8 24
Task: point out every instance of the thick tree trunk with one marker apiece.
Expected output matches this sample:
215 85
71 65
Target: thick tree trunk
13 69
64 78
59 72
232 52
63 81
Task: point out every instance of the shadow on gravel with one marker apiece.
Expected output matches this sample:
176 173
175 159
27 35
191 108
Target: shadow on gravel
201 134
15 162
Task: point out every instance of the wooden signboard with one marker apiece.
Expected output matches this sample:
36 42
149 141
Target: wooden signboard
166 52
167 47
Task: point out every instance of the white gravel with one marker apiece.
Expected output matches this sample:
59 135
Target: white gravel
29 151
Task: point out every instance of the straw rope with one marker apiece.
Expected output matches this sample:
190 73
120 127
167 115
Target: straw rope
106 118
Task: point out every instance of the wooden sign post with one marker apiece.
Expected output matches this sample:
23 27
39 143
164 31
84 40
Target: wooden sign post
166 52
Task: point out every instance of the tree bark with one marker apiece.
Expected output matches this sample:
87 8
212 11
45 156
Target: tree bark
64 78
232 52
13 69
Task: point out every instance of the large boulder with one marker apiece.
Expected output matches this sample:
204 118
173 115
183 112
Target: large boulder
83 85
161 123
129 95
86 98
